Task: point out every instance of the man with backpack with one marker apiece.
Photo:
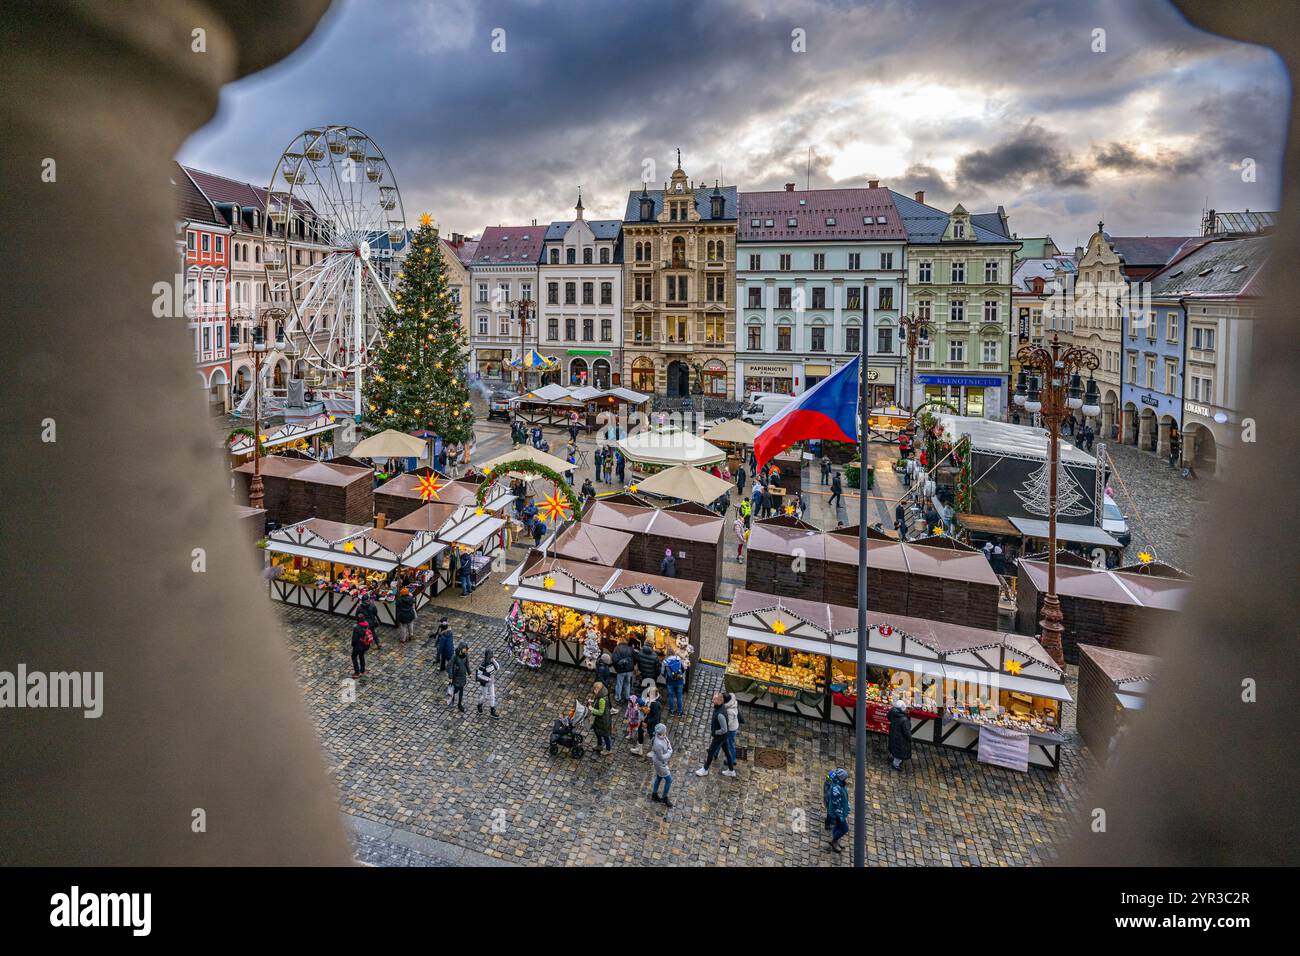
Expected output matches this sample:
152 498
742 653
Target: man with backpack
361 641
674 680
624 664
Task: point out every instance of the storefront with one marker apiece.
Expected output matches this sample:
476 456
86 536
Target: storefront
769 377
963 687
330 566
493 363
884 384
573 610
979 396
476 537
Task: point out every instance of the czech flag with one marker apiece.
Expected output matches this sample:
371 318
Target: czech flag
828 410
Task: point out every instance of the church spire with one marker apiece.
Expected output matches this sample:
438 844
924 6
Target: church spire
578 208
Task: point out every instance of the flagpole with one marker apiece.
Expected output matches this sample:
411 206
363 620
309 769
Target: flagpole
860 680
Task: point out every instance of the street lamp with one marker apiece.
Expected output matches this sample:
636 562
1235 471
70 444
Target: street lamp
1050 384
521 308
913 327
259 355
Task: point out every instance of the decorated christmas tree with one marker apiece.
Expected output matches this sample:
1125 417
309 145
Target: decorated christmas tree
417 373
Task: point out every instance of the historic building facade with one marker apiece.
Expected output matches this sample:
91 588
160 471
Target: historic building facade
679 279
580 300
811 266
959 280
503 276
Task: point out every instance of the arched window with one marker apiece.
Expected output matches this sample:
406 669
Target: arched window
571 255
604 255
586 256
679 252
555 257
643 376
257 254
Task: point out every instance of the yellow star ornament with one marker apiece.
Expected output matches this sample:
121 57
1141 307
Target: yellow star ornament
426 219
548 582
778 626
1146 557
1013 667
429 487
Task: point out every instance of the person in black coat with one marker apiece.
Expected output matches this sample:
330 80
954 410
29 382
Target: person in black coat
668 566
405 613
369 610
605 669
900 735
837 490
740 480
647 662
360 632
459 677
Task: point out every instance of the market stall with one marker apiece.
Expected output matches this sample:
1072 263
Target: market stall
1124 610
477 537
1112 686
294 489
654 449
252 521
693 534
1085 539
307 433
963 687
330 566
401 495
573 610
549 406
593 544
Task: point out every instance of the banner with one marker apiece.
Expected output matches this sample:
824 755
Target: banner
1004 748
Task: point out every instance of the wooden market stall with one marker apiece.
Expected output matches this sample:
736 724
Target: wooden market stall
794 559
252 521
475 539
963 687
692 533
329 566
399 496
295 489
1112 686
593 544
573 610
1124 610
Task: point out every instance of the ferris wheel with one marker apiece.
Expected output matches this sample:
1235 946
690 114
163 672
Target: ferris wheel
335 234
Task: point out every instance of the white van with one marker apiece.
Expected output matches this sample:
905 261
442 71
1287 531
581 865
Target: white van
762 408
1113 521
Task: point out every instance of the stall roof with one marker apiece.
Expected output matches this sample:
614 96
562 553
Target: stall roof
1003 438
782 539
427 517
644 519
467 527
986 524
668 445
627 595
945 563
591 543
1141 590
354 545
244 511
276 466
320 473
1073 533
623 517
454 492
1121 666
286 433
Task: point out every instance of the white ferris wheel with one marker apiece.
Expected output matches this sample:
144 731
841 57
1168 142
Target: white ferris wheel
335 235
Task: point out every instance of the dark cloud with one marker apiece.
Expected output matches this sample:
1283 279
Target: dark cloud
1030 156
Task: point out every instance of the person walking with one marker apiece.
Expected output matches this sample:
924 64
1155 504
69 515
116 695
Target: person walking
836 795
661 751
731 704
621 464
459 677
539 531
837 490
601 706
826 470
765 502
668 566
718 741
486 675
405 613
740 480
900 735
745 511
446 644
370 611
624 664
361 641
599 458
756 497
738 526
675 681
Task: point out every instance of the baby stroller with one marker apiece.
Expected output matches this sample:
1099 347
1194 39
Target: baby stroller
565 734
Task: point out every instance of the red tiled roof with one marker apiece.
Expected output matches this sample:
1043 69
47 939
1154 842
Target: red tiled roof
510 245
191 204
812 207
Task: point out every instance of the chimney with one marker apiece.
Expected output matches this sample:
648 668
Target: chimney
920 195
873 183
789 187
534 222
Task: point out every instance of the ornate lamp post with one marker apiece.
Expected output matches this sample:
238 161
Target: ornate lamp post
522 308
1050 384
912 328
255 498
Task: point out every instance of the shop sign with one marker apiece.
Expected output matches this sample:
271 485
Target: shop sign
881 374
776 690
1195 409
1151 400
969 381
753 368
1004 748
877 717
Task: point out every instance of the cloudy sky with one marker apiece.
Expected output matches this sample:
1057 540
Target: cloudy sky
975 101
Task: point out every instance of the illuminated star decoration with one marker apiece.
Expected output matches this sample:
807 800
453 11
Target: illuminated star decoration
778 626
429 487
1013 667
349 546
426 219
789 509
1146 557
938 529
632 488
555 506
548 582
479 511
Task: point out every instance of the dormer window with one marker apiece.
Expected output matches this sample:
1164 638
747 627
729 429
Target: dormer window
555 257
716 204
647 208
830 220
755 223
959 230
792 222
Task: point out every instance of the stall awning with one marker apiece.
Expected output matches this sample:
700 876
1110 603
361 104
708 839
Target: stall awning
286 434
680 623
1131 701
1073 533
332 557
470 529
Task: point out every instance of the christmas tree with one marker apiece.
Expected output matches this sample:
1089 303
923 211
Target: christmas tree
1033 493
417 373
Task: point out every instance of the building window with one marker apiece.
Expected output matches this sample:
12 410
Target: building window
221 247
923 272
570 255
553 329
679 252
189 241
818 338
819 261
959 230
957 311
755 262
552 293
783 298
207 339
570 329
819 297
607 293
755 297
588 330
586 257
957 351
589 293
958 272
1171 376
830 220
990 351
1171 327
555 257
783 338
924 309
991 310
885 341
855 260
853 339
607 330
570 293
676 329
482 325
885 297
887 260
784 260
853 296
206 242
604 255
990 270
1203 339
503 324
1151 327
643 329
715 330
1132 367
755 340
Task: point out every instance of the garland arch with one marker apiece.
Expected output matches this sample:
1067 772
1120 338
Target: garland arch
524 466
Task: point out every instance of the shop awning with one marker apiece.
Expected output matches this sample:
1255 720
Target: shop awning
1073 533
331 556
468 528
629 596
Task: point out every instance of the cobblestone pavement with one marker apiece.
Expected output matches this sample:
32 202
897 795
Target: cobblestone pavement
1163 509
402 760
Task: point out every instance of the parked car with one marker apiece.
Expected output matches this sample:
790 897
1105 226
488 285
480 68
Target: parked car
763 407
1114 523
499 406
